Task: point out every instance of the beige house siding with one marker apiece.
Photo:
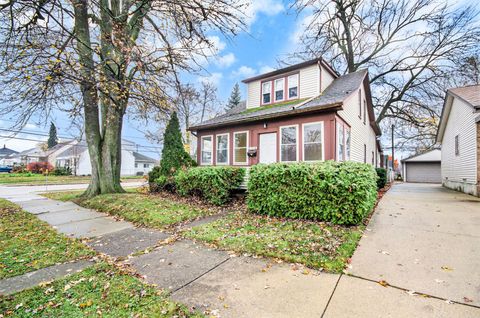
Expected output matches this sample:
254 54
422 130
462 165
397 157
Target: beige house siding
325 79
253 94
309 81
460 171
361 134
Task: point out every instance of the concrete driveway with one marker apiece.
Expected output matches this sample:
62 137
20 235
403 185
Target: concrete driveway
424 238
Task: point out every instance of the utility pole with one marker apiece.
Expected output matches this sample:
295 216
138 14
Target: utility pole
393 150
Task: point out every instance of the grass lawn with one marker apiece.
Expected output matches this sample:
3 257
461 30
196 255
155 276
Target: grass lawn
315 244
98 291
38 179
28 244
153 211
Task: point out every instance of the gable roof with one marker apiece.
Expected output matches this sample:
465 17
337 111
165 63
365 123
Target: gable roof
470 95
332 98
6 151
426 156
140 157
294 67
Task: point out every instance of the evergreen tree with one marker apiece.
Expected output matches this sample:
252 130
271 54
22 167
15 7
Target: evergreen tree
235 97
174 155
52 136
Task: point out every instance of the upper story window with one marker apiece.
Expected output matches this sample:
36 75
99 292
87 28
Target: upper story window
206 150
364 111
266 92
457 146
288 143
279 88
293 86
360 103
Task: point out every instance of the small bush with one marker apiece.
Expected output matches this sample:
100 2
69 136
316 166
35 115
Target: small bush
62 171
338 192
39 167
214 184
381 177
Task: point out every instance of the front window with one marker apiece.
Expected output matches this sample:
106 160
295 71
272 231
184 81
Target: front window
293 86
313 142
288 144
206 153
240 147
340 142
222 149
279 87
145 165
266 91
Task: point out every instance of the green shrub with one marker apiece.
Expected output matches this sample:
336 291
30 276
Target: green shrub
154 174
214 184
381 177
338 192
62 171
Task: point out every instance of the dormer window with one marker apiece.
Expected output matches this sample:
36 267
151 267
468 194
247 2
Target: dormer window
266 91
293 86
279 88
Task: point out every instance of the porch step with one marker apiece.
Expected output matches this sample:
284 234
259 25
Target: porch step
243 185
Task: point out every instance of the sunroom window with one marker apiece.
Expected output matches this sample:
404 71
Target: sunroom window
279 87
266 91
206 150
313 142
222 149
288 144
347 144
240 142
293 86
340 142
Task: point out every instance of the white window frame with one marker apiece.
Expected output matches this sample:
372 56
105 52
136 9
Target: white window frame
340 127
201 150
228 150
269 92
235 162
280 142
323 140
275 89
348 155
297 75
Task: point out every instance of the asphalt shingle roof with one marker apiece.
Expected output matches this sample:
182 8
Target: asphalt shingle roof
6 151
471 94
140 157
332 97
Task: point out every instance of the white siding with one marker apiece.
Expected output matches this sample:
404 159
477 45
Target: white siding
461 122
253 94
361 134
309 81
326 79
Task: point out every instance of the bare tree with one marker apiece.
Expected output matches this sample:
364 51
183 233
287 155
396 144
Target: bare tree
412 48
101 57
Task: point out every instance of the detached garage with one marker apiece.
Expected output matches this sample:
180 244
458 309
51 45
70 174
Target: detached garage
424 167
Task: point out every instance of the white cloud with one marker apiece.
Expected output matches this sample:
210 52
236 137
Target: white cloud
244 72
226 60
267 7
266 69
213 79
217 44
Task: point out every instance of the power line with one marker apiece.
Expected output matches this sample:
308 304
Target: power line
65 143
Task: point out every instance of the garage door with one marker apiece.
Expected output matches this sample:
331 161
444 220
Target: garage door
428 172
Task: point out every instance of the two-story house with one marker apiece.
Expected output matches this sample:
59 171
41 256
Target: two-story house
304 112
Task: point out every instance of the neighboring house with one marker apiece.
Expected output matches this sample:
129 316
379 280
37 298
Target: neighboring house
4 153
424 167
133 163
459 136
304 112
38 154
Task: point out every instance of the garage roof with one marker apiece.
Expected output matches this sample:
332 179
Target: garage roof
428 156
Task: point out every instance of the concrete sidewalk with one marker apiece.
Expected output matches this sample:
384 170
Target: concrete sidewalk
213 281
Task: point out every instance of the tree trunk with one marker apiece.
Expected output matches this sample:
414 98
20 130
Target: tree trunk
104 146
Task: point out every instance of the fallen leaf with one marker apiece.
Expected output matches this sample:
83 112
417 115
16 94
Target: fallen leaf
446 268
467 300
383 283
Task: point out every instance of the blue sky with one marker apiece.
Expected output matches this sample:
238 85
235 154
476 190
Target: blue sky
271 28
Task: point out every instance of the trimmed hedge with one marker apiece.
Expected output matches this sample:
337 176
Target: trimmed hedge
338 192
381 177
214 184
